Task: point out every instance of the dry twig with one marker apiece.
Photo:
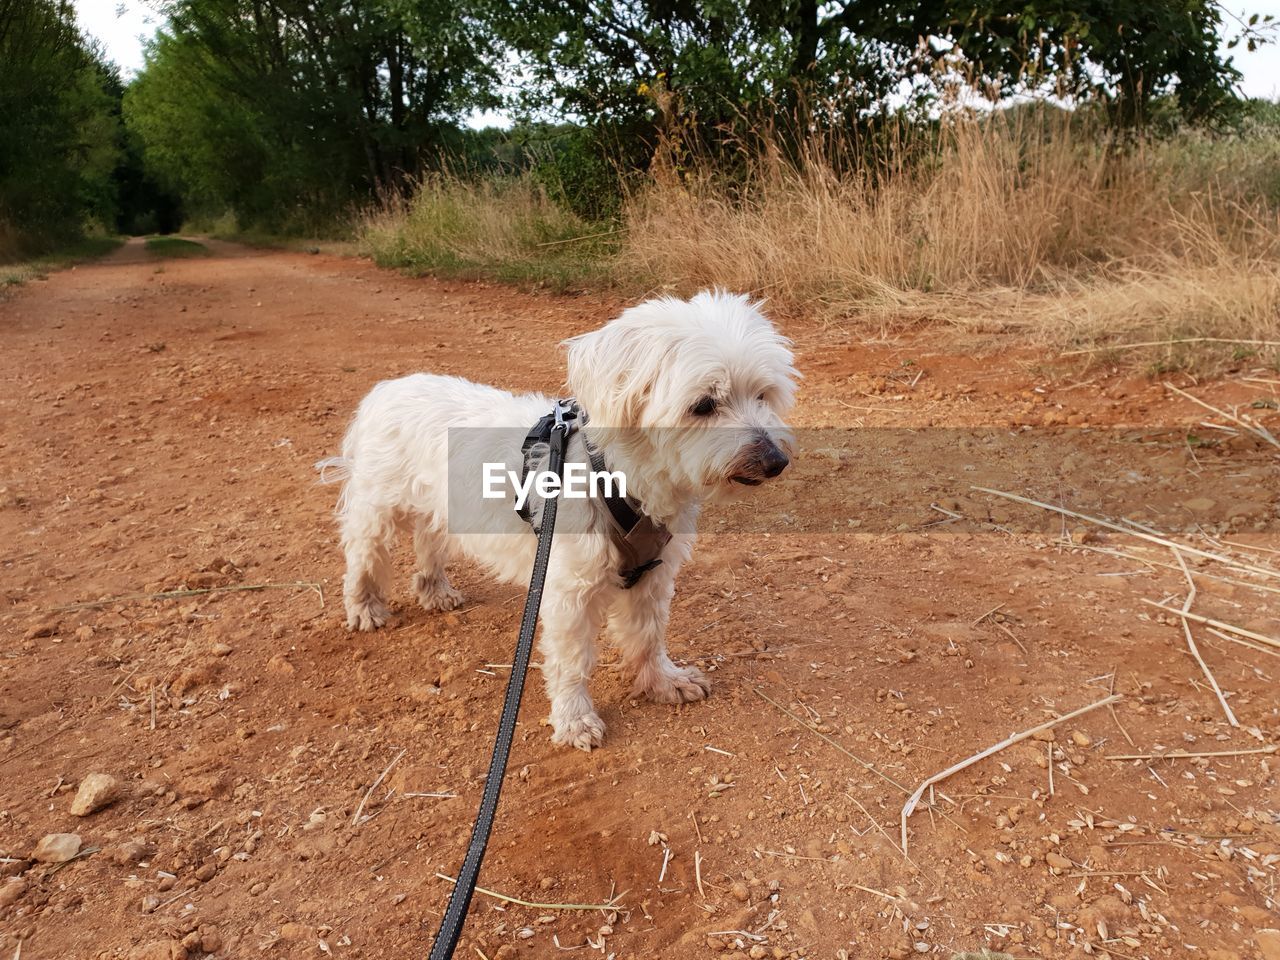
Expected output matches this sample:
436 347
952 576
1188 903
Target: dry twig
1191 644
1167 343
914 799
355 820
611 905
1186 755
1257 429
179 594
1209 622
887 779
1151 538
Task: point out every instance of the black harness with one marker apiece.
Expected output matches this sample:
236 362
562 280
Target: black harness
638 538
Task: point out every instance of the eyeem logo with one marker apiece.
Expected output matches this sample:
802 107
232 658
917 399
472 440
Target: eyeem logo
579 483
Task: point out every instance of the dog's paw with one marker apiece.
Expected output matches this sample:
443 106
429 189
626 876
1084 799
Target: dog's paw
674 685
584 732
435 593
368 615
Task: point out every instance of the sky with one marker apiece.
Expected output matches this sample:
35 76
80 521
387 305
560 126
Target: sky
123 25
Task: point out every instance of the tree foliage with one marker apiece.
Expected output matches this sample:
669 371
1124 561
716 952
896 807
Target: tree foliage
288 108
725 66
59 127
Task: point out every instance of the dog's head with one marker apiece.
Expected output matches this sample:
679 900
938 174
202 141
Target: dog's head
694 390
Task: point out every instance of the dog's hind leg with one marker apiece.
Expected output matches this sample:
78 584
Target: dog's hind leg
367 532
430 582
638 625
570 624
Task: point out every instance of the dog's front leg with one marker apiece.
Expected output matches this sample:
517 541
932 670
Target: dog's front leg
571 617
638 625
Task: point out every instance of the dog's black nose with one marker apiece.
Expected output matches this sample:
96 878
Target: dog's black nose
773 462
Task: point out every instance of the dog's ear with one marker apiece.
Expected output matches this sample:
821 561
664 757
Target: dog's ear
613 370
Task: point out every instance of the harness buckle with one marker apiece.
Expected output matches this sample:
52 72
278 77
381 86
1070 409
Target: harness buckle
565 412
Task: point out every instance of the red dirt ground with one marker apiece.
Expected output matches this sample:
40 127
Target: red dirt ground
160 421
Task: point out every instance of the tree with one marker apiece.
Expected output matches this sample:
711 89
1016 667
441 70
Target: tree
59 135
725 66
276 106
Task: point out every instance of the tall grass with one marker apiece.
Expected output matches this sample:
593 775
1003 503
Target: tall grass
1027 220
1066 233
506 228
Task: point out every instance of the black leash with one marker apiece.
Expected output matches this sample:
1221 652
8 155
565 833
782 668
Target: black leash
455 913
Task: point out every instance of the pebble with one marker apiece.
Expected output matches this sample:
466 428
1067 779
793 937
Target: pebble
210 938
12 891
159 950
207 872
1044 736
292 931
97 790
1080 738
741 892
56 848
221 650
131 851
42 628
1058 861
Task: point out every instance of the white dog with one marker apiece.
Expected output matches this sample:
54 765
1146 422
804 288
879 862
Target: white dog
685 398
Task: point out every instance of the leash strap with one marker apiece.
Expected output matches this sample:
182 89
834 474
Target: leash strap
455 913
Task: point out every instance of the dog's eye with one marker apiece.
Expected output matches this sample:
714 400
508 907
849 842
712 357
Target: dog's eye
704 407
761 398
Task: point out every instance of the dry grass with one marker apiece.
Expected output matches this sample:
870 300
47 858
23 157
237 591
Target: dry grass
506 228
1027 224
1065 236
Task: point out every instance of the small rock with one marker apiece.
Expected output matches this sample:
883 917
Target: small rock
11 891
210 938
207 872
221 650
56 848
149 903
42 628
1058 861
167 882
159 950
131 851
84 633
741 892
97 790
292 931
13 867
1044 736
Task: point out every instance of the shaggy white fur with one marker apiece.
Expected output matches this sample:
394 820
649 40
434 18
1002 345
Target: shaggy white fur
686 398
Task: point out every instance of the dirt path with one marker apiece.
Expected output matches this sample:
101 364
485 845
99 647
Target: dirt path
160 420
